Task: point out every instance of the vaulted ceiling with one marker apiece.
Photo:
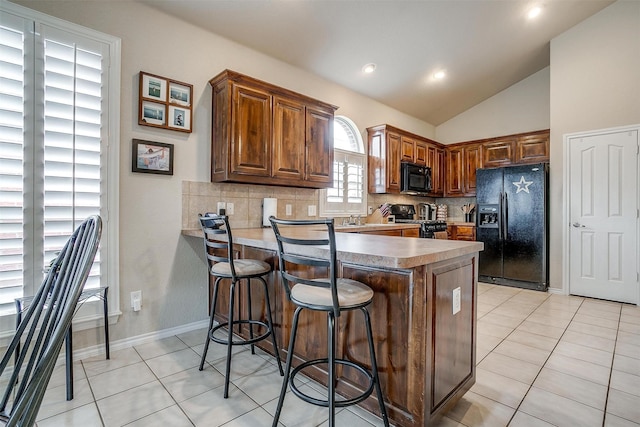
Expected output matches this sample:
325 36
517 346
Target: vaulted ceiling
484 46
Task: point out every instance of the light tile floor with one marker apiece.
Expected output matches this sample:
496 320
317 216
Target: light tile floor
543 360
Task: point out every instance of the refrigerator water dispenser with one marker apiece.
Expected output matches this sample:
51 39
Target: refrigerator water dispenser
488 216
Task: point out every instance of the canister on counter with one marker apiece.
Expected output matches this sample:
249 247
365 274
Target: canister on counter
441 213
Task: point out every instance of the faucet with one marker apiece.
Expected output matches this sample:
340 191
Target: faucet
359 220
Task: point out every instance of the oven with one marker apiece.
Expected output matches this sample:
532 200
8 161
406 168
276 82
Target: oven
405 214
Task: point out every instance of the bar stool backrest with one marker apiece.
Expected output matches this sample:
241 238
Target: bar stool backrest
44 326
216 247
316 247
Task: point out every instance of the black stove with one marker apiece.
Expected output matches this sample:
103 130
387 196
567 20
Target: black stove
405 214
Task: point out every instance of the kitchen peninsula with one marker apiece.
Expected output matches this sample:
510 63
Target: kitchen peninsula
423 317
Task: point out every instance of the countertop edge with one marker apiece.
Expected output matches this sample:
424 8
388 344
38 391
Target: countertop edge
366 249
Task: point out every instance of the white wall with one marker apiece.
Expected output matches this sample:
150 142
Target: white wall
595 84
523 107
154 256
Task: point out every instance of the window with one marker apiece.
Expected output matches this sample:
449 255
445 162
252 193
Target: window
348 195
59 125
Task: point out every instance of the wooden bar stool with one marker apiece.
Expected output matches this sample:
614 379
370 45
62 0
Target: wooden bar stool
327 293
222 265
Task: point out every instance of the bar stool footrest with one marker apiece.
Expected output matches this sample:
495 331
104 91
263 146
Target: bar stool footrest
325 403
253 340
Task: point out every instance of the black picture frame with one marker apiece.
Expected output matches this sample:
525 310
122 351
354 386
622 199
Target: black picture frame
152 157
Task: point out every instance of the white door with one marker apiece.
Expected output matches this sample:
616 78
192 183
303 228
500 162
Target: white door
603 214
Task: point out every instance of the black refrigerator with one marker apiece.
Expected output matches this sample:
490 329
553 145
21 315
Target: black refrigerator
512 221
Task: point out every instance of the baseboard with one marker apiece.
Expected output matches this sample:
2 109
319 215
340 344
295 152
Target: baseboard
98 349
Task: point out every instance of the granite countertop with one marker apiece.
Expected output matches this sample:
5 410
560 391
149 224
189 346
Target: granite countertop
468 224
364 249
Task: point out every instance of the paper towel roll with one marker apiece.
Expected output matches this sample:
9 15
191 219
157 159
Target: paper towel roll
269 207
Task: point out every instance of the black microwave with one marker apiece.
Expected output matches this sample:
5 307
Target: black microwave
415 179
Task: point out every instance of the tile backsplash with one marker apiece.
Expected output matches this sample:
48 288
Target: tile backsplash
201 197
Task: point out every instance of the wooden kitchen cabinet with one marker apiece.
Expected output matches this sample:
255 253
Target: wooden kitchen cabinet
265 134
454 179
472 160
288 153
462 160
252 129
439 173
461 232
384 160
532 148
319 146
389 146
396 233
420 157
408 147
498 153
411 232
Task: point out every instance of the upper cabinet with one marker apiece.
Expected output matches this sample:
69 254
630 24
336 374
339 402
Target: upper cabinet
388 146
461 163
384 159
264 134
532 148
516 149
463 159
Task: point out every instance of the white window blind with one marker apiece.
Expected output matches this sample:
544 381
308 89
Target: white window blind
348 193
72 123
13 39
54 147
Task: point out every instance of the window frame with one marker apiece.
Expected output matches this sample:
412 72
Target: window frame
333 209
90 314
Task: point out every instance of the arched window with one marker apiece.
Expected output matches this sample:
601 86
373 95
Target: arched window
348 196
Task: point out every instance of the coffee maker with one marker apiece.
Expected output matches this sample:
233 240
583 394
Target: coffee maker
427 211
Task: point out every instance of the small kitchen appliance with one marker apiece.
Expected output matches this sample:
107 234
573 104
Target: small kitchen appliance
415 179
405 214
427 211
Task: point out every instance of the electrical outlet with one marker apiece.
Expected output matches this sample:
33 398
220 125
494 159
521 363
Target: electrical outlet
136 300
229 208
220 207
456 300
370 210
288 210
311 210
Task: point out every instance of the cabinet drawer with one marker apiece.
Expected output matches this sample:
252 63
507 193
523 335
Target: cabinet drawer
464 232
411 232
383 232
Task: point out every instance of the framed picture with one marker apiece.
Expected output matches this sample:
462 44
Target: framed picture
165 103
153 87
151 157
179 118
179 94
154 113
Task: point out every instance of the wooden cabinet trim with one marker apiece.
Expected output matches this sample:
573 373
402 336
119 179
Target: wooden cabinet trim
453 166
264 134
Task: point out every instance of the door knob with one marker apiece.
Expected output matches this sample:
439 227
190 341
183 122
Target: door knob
578 225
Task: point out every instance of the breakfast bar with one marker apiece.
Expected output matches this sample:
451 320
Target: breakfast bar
423 317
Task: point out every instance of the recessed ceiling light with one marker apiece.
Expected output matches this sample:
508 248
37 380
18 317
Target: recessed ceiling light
534 11
439 75
369 68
